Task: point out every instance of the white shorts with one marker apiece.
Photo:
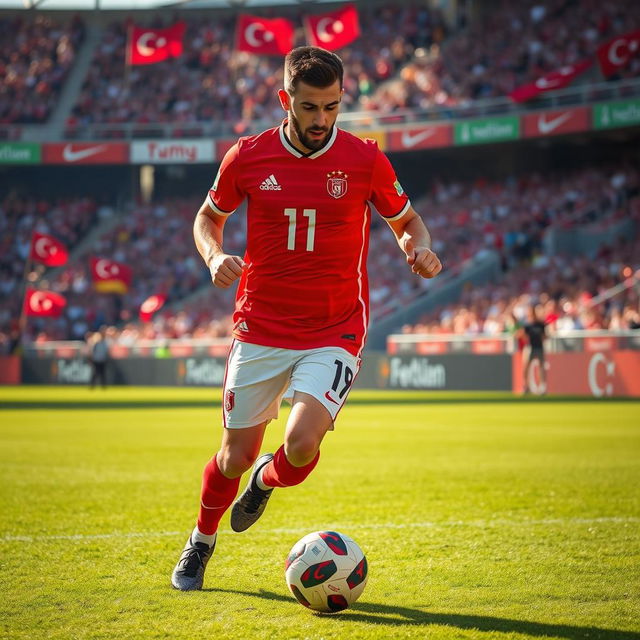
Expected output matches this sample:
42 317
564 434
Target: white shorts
258 378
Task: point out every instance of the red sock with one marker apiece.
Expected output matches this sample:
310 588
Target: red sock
281 473
218 493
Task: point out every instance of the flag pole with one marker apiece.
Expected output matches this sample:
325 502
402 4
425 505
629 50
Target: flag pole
22 321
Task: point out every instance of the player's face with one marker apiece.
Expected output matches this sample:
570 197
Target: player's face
312 114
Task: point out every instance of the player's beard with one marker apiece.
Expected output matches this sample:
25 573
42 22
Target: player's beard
306 140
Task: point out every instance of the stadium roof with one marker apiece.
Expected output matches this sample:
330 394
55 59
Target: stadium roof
106 5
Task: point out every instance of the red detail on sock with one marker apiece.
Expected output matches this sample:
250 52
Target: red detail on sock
218 493
281 473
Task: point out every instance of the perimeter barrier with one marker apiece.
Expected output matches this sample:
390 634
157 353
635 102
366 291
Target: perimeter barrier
589 363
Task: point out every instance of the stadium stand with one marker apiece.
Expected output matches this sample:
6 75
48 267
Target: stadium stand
35 58
563 287
212 82
466 218
534 38
407 57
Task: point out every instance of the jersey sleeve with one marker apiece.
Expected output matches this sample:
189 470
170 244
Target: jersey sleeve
225 194
387 194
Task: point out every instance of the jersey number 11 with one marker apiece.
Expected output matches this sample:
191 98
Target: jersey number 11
292 214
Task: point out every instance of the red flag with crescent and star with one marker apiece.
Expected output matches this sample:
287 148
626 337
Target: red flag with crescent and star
148 46
617 52
48 250
109 276
558 79
264 36
150 306
333 30
43 303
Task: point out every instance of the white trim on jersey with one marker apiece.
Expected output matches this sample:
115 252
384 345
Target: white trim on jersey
315 154
400 214
365 319
219 211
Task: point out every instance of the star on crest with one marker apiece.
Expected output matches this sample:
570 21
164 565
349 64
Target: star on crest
337 174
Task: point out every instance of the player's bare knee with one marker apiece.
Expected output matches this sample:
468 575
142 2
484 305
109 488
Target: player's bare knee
234 463
301 450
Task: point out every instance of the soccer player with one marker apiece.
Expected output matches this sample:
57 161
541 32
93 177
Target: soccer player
301 313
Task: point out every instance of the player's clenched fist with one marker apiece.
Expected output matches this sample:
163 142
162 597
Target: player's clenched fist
422 260
225 270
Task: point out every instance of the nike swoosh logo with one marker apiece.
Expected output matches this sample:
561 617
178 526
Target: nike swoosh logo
409 140
547 126
544 83
73 156
329 398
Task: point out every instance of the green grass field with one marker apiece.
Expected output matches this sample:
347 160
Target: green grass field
481 517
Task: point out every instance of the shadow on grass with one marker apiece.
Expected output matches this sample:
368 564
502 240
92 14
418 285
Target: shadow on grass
396 616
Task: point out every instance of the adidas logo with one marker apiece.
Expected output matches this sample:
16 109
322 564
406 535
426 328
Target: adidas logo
270 184
243 326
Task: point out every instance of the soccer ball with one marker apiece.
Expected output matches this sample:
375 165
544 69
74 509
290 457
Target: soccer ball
326 571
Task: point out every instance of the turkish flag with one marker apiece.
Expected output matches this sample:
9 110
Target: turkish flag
110 276
148 46
616 53
48 250
263 35
333 30
558 79
150 306
43 303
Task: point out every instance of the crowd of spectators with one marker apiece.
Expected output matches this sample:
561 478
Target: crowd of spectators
154 240
564 289
509 217
213 82
67 219
35 58
406 57
509 45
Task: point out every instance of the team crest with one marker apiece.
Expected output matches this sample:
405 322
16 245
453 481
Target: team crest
229 400
337 183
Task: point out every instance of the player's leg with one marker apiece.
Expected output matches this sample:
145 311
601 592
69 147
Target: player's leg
320 381
94 375
527 367
220 481
290 465
254 383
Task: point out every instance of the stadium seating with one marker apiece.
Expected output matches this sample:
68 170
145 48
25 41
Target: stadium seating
35 58
407 57
512 44
563 288
211 82
465 218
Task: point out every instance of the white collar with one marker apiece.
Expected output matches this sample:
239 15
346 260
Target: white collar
286 143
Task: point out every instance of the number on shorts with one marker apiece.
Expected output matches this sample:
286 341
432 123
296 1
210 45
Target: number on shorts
348 378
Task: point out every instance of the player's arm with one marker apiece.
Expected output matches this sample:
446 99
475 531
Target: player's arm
225 269
221 201
415 240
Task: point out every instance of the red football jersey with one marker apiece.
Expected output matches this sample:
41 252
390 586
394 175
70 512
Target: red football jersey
308 215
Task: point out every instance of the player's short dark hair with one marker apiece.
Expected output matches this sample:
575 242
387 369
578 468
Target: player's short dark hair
313 66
